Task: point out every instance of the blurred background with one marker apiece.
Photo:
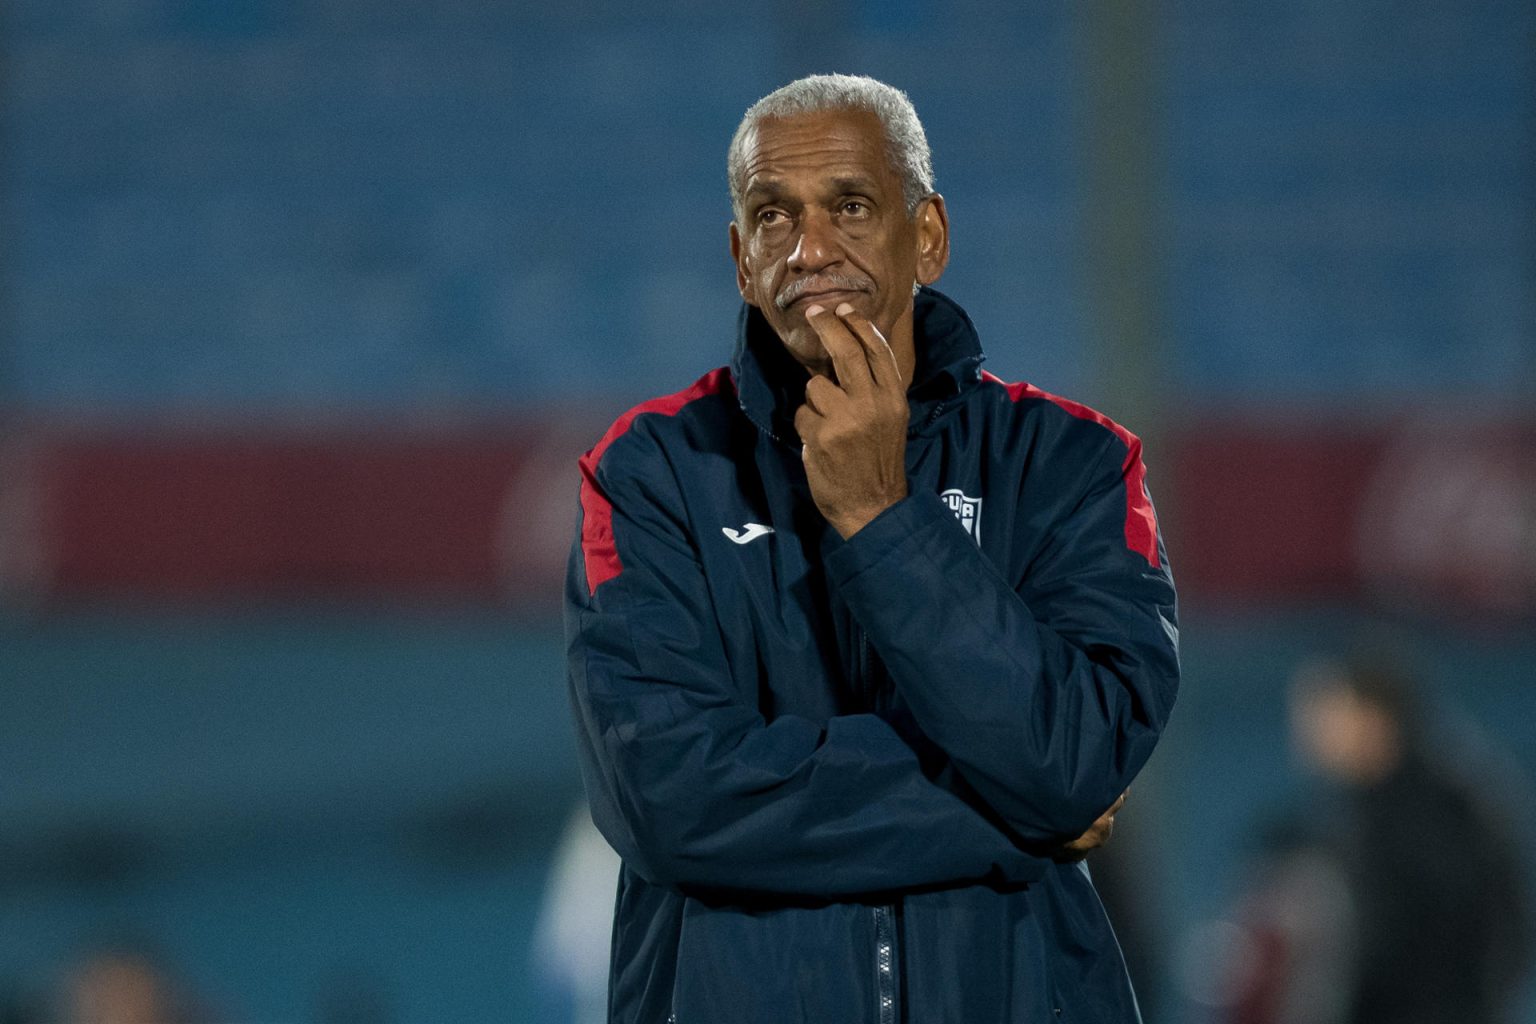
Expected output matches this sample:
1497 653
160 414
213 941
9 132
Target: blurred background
307 308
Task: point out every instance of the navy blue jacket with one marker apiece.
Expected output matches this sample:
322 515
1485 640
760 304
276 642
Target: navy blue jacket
835 770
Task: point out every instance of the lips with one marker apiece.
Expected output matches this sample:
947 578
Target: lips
825 298
824 290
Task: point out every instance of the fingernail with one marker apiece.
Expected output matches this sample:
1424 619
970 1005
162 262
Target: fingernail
814 310
845 309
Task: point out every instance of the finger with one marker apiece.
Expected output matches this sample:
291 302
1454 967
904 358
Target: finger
883 368
1108 817
806 423
821 394
847 352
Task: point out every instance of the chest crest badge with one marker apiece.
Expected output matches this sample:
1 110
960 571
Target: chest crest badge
966 509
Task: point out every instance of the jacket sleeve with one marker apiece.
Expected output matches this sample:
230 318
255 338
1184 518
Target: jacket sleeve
689 782
1047 699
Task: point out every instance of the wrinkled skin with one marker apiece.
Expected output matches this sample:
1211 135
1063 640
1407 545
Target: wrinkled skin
827 251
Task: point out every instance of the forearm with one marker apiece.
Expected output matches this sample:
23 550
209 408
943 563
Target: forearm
696 790
788 809
1046 730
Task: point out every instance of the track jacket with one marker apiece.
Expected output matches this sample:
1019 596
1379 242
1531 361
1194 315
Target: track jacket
835 769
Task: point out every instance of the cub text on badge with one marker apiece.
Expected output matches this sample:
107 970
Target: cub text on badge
966 509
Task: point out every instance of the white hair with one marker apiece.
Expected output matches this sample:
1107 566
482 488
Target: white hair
906 145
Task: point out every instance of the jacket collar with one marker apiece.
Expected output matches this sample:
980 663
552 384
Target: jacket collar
771 385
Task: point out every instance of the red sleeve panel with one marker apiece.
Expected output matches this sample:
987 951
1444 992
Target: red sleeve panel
1140 519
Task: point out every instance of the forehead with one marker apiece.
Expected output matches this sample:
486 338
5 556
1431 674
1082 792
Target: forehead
823 145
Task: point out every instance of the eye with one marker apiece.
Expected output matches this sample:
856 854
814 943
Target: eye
855 208
770 217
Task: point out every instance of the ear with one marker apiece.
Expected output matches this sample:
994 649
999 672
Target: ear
932 238
744 282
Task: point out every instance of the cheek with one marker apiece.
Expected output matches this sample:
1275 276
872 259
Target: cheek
757 261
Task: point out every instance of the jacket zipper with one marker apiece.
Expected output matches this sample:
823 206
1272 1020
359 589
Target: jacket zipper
885 927
885 963
866 676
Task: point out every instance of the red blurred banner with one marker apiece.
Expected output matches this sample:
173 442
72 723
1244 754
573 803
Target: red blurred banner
1439 514
473 514
1435 514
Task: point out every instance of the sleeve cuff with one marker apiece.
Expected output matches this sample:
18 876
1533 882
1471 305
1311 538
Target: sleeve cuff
883 537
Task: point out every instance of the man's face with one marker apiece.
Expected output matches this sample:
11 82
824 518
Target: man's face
1340 734
824 222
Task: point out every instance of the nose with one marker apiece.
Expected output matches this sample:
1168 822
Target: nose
817 247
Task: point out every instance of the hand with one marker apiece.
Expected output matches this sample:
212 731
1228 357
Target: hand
1097 835
854 431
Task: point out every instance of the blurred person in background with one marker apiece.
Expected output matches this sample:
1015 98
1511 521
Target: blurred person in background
124 986
1287 956
865 645
1427 847
1401 899
575 929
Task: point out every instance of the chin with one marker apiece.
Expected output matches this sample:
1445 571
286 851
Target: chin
814 360
807 353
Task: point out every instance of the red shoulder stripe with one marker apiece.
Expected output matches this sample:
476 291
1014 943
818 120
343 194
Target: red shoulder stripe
1140 520
597 546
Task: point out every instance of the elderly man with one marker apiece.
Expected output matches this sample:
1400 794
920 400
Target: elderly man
865 644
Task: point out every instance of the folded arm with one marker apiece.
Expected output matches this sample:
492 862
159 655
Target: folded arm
689 782
1047 696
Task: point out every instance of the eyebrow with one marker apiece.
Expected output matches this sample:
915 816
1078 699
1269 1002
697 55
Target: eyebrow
760 187
863 186
773 188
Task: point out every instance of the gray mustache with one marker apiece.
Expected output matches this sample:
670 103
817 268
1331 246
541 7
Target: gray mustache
828 281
